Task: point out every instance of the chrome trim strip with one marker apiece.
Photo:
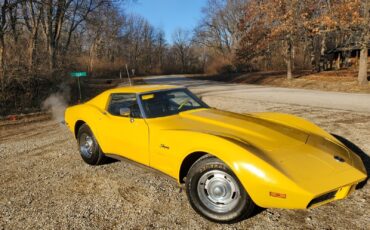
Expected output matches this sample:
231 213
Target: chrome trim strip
141 107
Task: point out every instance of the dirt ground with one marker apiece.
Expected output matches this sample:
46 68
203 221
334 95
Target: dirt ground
44 184
338 81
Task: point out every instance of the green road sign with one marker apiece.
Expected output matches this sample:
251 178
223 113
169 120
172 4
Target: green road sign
78 74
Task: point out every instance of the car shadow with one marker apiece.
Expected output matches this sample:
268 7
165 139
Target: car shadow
257 210
109 160
357 150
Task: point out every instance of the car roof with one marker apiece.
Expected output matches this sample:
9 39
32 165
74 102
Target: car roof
141 88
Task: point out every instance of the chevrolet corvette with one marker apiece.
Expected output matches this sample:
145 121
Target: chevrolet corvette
229 163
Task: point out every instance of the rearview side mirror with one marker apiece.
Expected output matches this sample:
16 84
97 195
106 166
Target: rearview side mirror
125 112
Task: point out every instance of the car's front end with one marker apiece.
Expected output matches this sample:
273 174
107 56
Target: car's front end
279 165
299 176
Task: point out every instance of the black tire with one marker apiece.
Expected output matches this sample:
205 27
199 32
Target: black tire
242 206
95 155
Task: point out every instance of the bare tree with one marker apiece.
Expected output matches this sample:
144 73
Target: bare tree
161 46
54 22
219 28
182 43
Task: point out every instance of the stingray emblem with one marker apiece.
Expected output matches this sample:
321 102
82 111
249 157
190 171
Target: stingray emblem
339 159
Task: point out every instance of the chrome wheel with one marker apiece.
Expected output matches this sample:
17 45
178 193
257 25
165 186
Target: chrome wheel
218 191
86 145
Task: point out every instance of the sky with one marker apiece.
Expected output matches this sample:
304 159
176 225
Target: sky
169 14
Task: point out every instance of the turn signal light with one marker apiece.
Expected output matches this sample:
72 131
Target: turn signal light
278 195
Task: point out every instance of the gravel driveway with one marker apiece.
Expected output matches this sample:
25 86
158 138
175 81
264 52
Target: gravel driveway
44 184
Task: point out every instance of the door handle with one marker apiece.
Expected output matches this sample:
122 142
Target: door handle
164 146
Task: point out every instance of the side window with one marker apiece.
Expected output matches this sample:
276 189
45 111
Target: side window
124 105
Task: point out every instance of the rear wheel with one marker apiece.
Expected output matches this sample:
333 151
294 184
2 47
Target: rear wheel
216 193
89 147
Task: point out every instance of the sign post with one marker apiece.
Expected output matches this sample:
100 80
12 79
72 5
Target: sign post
78 75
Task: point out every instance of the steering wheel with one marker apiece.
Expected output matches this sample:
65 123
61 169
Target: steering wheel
184 102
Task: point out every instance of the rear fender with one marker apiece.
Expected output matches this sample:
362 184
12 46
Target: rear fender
87 113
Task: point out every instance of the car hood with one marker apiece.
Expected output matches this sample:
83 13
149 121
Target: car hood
299 154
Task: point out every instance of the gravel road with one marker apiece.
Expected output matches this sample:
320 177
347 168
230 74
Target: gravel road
314 98
44 184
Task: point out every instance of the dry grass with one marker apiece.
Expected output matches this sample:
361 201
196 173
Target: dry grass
218 65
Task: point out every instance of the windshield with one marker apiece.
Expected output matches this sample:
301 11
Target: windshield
169 102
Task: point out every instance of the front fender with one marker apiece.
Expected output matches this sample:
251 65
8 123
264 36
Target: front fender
258 176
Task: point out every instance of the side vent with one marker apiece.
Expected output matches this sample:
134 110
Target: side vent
322 198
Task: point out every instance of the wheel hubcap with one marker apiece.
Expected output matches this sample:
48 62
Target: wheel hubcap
218 191
86 145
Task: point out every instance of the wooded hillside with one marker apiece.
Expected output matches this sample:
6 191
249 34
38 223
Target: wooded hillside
287 35
41 41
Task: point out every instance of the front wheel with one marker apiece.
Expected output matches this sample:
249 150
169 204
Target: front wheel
216 193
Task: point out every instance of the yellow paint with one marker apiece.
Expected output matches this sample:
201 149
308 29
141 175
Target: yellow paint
268 152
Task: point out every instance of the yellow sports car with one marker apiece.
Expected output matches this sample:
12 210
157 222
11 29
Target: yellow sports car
228 162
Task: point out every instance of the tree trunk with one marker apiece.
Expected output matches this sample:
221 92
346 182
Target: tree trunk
316 53
289 60
2 70
30 55
289 69
362 69
322 51
2 45
53 30
92 54
49 32
337 62
31 48
91 58
51 57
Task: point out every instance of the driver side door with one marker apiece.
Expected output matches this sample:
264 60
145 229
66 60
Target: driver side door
126 133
